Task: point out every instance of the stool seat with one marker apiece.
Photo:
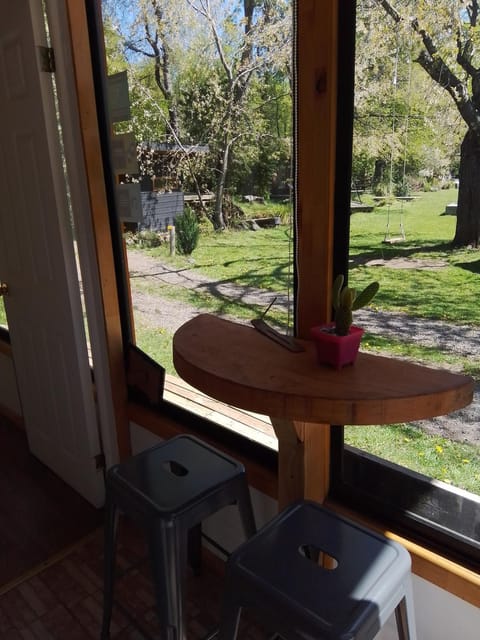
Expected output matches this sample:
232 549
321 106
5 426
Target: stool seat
310 573
169 489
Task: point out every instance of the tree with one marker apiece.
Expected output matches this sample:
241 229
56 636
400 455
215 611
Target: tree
153 29
402 124
448 34
205 57
250 38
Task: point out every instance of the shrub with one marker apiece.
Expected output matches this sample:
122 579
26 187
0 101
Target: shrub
402 189
187 232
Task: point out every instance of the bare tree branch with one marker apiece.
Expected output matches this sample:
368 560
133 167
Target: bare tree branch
204 10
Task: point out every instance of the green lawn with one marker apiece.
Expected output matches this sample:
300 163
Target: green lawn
263 259
448 293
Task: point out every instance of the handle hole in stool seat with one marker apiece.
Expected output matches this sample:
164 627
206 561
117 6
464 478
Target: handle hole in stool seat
318 556
175 468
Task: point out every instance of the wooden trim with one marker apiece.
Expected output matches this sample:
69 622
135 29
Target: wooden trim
450 576
301 475
316 80
315 142
100 217
253 426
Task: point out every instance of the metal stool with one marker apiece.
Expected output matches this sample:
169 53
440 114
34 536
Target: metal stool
169 489
311 574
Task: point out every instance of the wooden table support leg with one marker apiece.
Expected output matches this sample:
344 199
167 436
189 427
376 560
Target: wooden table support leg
303 460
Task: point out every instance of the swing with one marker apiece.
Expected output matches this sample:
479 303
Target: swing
389 239
401 237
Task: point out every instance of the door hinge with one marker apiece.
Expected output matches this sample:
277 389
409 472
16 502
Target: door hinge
99 461
47 59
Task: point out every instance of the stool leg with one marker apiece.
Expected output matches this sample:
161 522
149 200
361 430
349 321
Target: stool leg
246 510
168 559
195 549
230 616
405 616
110 544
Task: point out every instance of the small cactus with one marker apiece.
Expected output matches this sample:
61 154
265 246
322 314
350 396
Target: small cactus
345 300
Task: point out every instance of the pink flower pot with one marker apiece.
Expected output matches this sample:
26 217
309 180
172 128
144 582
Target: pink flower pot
337 351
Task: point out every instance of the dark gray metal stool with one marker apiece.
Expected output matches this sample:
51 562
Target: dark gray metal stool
311 574
169 489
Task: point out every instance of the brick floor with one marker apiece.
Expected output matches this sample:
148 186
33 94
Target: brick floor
63 601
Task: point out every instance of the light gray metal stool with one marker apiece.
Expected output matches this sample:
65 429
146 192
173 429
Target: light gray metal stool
311 574
169 489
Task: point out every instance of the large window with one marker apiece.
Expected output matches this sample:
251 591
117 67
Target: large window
406 174
210 125
374 188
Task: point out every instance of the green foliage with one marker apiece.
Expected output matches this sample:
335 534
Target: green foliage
187 232
402 189
219 77
403 120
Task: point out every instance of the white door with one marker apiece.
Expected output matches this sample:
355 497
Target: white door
37 262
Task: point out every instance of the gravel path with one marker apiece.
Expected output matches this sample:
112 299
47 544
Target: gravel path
463 425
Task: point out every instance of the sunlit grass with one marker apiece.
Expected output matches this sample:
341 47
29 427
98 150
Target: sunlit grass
157 342
447 289
248 258
455 463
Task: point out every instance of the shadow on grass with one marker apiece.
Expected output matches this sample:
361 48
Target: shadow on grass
473 267
395 251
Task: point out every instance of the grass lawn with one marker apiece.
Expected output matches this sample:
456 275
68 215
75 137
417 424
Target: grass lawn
446 293
263 259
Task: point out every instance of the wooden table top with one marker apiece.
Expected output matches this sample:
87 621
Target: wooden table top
240 366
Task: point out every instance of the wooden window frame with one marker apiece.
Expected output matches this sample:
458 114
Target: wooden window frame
322 204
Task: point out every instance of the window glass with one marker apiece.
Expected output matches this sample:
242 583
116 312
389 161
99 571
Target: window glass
210 138
3 315
410 226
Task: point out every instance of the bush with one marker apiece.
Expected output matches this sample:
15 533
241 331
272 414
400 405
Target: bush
187 232
402 189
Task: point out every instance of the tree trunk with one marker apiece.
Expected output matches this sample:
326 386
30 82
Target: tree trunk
467 232
218 217
378 173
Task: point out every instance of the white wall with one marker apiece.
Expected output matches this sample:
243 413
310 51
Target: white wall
438 614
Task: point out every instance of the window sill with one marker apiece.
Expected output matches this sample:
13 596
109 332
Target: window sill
431 566
254 426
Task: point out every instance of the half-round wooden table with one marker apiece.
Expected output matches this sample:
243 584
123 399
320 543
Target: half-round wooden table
238 365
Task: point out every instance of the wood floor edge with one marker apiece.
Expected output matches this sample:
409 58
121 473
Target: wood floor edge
53 559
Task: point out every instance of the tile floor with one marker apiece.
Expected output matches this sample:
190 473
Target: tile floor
63 600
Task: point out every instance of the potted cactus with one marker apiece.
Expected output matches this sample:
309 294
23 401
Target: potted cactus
337 342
